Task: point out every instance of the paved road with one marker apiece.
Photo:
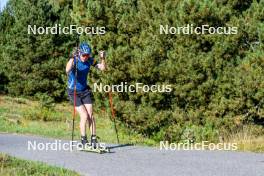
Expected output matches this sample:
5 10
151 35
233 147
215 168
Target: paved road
137 161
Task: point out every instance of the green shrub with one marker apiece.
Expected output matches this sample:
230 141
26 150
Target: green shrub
43 114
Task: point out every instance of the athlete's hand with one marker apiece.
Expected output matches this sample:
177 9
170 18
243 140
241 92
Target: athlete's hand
102 54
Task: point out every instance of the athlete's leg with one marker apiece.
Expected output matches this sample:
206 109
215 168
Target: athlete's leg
83 118
80 108
91 119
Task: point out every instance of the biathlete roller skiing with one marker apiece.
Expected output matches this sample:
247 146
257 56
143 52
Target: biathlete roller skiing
78 68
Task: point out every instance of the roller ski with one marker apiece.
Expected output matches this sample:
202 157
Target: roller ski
93 146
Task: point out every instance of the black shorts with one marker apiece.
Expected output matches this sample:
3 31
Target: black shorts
82 97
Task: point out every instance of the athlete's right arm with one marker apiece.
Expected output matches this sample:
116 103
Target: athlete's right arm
69 65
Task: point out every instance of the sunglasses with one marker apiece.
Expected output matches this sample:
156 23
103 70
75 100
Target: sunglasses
85 55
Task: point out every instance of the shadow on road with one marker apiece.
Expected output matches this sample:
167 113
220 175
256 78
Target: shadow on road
119 146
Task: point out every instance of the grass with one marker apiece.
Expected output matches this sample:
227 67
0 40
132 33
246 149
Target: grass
19 115
246 140
10 166
255 144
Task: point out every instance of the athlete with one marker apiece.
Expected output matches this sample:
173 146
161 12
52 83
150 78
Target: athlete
82 61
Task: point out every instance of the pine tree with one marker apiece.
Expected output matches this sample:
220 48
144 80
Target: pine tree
217 80
34 62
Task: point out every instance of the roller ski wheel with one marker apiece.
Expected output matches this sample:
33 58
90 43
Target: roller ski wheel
99 149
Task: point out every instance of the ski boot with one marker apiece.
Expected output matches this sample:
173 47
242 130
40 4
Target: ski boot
84 140
94 143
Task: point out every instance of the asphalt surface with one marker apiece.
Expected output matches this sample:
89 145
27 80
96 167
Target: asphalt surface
135 160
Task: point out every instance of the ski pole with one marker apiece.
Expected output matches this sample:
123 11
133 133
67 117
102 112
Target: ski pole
74 93
75 82
113 114
102 55
74 99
